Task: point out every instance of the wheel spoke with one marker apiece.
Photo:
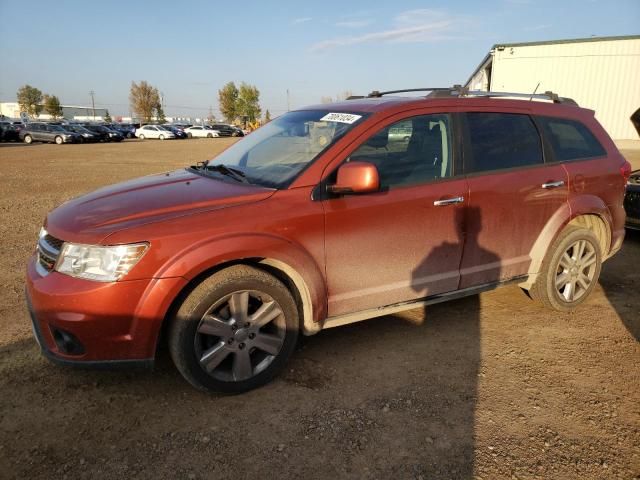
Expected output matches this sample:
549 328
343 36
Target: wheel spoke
581 245
214 356
569 291
588 260
242 365
212 325
565 261
584 281
268 343
267 312
561 280
239 306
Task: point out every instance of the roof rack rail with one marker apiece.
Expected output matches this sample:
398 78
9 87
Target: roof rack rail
460 91
376 93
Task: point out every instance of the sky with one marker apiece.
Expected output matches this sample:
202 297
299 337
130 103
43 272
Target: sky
189 50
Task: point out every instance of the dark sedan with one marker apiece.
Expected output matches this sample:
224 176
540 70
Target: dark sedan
85 134
632 201
105 134
8 132
178 132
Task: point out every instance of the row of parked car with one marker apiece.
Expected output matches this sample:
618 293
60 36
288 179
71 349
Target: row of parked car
63 132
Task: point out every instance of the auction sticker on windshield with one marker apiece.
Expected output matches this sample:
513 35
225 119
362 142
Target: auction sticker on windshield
340 117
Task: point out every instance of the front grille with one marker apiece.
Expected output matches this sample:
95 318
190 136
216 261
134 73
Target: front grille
48 251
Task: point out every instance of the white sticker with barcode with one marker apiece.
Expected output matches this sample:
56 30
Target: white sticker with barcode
340 117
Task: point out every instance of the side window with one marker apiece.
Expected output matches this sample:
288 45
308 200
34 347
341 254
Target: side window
409 152
501 140
570 139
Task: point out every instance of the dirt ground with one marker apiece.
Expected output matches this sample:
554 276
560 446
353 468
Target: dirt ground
491 386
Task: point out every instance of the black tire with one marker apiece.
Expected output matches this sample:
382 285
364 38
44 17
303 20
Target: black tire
189 346
58 140
141 137
546 289
209 136
28 139
189 135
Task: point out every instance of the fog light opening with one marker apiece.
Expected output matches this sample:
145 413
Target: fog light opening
67 343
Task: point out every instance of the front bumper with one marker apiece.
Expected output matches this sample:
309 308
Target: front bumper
114 323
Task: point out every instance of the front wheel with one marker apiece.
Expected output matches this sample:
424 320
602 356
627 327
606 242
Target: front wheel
570 271
209 135
161 137
28 139
58 140
235 331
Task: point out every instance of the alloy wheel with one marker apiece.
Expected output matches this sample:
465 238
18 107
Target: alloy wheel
576 270
240 335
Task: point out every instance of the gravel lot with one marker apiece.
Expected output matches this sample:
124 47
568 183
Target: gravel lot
491 386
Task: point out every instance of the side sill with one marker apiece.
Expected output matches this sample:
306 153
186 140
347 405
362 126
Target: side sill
354 317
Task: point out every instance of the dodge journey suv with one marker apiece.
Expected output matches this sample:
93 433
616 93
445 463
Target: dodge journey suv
327 216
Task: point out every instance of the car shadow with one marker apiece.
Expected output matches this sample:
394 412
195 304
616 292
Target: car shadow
620 277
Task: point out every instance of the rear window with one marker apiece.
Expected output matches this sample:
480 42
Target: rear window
570 139
501 140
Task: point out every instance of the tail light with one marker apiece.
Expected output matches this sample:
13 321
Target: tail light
625 170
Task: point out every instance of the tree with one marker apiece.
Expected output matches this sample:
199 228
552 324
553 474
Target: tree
107 117
267 116
249 102
52 106
30 100
228 100
160 118
144 99
326 100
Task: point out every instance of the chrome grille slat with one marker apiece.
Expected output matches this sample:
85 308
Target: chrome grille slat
48 251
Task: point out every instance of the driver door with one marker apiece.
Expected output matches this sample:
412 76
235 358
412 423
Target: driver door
403 242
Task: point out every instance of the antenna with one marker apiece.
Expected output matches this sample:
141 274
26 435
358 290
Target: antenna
534 92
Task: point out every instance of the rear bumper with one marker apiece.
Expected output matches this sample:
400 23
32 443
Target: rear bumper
112 323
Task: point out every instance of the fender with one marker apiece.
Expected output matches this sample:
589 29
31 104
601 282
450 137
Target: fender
576 206
290 258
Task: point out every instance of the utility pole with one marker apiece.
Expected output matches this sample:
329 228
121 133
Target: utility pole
93 104
288 101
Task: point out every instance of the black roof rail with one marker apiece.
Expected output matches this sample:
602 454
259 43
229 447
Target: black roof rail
460 91
377 94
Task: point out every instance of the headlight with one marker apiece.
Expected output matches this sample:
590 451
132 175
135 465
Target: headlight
102 264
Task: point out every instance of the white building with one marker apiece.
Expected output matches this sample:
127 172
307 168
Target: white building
600 73
69 112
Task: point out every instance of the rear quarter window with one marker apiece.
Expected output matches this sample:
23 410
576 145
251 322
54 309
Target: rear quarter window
570 139
498 141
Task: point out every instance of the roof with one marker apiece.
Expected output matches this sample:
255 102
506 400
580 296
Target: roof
548 42
568 40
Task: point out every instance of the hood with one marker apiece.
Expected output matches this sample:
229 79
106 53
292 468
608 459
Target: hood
90 218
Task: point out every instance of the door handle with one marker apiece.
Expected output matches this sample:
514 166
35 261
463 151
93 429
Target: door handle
448 201
553 184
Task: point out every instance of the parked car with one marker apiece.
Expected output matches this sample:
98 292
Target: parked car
127 130
199 131
320 218
632 201
104 133
8 132
154 131
85 135
179 133
44 132
225 130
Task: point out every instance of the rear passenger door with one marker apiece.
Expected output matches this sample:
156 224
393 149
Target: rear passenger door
513 194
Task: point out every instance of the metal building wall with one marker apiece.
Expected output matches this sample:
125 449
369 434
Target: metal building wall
601 75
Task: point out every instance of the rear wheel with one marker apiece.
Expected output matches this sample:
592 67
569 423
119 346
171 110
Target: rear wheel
570 271
235 331
28 139
58 140
141 137
189 135
161 137
209 135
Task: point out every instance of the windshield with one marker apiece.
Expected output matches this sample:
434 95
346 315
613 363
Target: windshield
276 153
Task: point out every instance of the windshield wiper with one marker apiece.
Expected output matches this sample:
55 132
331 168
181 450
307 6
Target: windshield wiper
234 173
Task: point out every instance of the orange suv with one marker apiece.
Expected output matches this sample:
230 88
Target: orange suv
328 215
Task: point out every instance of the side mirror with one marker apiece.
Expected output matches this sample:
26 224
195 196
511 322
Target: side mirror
356 177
